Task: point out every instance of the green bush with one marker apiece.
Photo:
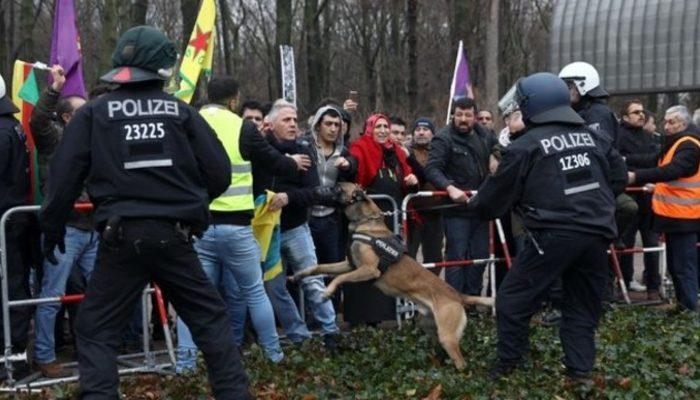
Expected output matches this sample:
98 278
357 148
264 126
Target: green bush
642 354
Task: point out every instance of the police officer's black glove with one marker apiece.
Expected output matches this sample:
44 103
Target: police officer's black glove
325 196
51 240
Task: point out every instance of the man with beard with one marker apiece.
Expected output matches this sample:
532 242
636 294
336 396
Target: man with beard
459 162
632 139
333 164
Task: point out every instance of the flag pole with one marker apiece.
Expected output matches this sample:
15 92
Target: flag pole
454 82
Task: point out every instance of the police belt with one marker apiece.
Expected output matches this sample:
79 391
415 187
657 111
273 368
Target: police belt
389 249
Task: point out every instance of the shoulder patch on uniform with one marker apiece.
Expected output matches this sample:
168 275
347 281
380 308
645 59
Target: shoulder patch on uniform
595 126
20 132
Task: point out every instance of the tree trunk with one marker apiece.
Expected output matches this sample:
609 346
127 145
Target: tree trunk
391 68
283 36
411 22
491 75
139 8
460 21
26 16
4 45
314 53
189 10
226 35
108 33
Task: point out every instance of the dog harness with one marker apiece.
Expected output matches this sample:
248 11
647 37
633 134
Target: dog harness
389 249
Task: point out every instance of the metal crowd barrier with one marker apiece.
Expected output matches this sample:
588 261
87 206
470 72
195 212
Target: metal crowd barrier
408 309
395 216
32 381
402 305
661 249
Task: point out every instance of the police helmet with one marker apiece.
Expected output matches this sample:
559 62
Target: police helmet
543 98
584 77
6 105
143 53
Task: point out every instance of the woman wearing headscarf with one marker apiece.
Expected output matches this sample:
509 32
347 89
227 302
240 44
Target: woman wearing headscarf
382 169
382 163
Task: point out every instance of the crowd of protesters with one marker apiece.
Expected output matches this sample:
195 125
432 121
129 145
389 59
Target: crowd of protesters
387 156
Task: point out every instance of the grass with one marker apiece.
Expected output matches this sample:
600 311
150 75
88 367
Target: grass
643 353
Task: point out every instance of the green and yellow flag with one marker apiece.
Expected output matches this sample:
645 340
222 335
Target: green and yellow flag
200 51
25 94
266 229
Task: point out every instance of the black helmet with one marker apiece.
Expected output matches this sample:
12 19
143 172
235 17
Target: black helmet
6 104
143 53
543 97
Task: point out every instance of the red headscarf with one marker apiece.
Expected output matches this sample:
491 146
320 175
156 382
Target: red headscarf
370 155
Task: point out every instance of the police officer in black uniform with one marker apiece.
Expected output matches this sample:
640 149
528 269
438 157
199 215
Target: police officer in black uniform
588 98
152 165
14 188
561 177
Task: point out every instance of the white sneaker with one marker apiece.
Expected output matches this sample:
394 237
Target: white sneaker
637 287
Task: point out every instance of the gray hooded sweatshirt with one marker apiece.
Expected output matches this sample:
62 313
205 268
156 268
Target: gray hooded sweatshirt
328 174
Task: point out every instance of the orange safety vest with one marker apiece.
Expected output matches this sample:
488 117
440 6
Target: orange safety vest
679 198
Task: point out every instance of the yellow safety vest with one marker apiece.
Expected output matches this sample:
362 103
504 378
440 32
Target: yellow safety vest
227 125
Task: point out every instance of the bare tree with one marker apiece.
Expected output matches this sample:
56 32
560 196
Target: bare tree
189 10
411 26
315 48
491 82
139 8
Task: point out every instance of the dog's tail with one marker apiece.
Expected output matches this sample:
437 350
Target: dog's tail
477 300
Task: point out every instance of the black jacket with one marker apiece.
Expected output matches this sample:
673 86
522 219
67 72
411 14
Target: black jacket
144 153
46 130
558 177
684 163
14 164
633 141
298 187
598 116
459 159
47 133
328 174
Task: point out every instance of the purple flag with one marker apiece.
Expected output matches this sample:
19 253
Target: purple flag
461 84
65 49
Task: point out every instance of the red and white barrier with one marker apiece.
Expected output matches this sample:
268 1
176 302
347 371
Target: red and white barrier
9 358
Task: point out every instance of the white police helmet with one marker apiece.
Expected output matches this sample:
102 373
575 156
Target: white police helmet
585 77
3 88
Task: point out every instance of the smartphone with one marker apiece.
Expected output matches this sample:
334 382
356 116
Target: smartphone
352 95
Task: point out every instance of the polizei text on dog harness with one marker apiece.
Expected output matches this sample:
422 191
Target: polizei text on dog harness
389 249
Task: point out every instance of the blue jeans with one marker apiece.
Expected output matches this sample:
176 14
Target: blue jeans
81 251
466 238
298 252
682 260
327 233
230 257
286 310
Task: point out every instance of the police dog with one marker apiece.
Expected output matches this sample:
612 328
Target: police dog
404 278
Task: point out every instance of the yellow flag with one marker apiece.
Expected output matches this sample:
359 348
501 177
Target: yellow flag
200 51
